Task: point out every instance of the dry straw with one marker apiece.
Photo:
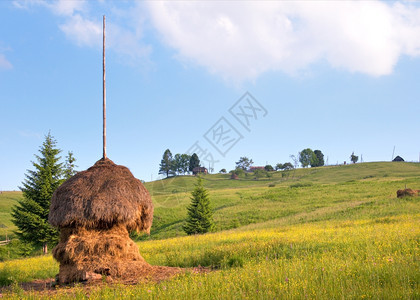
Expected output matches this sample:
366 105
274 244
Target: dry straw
101 197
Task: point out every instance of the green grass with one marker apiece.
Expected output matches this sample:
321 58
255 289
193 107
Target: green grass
7 200
304 192
324 233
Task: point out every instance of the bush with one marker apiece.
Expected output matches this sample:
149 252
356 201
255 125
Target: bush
269 168
301 184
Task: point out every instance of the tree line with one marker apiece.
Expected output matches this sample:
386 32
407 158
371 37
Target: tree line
178 164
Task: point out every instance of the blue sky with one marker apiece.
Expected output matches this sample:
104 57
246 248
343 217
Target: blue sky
334 76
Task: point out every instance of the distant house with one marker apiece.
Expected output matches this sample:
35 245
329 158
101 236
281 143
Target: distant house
199 170
398 158
252 169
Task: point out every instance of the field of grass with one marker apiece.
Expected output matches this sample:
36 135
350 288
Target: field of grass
326 192
323 233
7 200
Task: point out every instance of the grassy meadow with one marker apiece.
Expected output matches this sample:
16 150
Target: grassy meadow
7 200
336 232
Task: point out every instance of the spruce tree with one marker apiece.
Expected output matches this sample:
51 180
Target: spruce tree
30 215
194 162
70 166
200 214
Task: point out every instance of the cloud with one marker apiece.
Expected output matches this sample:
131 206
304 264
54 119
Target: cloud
29 134
86 31
4 63
241 40
60 7
82 31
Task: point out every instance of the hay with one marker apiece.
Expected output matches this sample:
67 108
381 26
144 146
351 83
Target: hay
104 195
89 254
407 192
80 246
95 210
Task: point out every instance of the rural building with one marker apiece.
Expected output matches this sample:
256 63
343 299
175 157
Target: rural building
199 170
398 158
252 169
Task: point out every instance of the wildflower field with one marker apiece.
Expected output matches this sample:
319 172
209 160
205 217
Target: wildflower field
326 233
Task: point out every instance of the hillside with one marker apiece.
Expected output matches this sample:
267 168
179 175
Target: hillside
7 200
325 233
302 195
352 191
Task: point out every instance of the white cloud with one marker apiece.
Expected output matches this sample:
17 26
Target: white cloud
4 63
82 31
59 7
86 31
242 40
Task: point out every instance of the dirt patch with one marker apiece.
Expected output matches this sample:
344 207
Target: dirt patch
156 274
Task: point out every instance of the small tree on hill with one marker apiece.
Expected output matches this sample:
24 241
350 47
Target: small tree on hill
185 163
354 158
244 163
200 214
287 166
166 164
320 158
30 215
305 157
269 168
176 166
194 162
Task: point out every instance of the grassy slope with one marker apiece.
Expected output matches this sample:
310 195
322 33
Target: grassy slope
325 193
7 200
344 236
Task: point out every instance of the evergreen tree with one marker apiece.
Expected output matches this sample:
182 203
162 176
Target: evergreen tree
194 162
177 164
30 215
185 163
70 167
200 214
166 164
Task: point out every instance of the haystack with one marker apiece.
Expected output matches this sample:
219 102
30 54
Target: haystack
234 176
407 192
95 210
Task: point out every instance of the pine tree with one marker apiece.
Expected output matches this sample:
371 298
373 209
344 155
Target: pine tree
70 166
30 215
200 214
194 162
166 164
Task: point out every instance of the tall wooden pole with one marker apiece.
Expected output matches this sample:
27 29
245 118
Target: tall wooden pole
104 93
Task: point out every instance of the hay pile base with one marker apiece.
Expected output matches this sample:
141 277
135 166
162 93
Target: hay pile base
95 254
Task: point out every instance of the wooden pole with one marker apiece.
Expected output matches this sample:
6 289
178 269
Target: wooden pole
104 92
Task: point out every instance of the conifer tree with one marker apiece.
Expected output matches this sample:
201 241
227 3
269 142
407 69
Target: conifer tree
194 162
70 166
30 215
166 164
200 214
